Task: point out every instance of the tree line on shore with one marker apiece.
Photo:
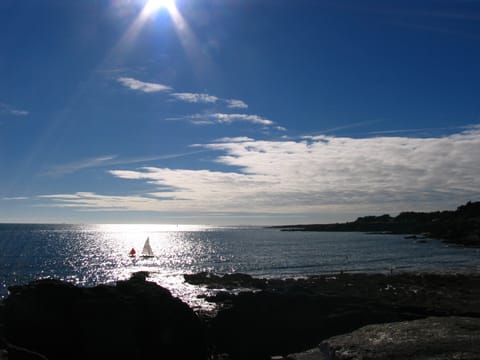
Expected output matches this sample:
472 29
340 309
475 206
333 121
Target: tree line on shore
461 226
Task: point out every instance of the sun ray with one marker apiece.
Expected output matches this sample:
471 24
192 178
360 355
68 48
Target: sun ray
199 60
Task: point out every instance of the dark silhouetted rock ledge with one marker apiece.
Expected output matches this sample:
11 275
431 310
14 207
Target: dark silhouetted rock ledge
291 315
461 226
135 319
227 281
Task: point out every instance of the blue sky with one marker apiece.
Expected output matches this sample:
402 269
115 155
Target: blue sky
237 111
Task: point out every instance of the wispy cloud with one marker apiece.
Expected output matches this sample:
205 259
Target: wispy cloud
233 139
111 160
314 175
236 104
191 97
223 118
92 201
142 86
68 168
350 126
195 97
19 112
417 131
229 118
10 110
201 98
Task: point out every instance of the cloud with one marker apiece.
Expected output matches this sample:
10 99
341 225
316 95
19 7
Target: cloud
236 104
75 166
229 118
9 110
195 97
110 160
92 201
223 118
198 98
19 112
145 87
209 99
418 131
310 176
233 139
336 170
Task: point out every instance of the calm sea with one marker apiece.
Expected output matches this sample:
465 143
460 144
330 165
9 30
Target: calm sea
93 254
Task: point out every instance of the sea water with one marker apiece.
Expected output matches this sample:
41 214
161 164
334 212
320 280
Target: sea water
87 255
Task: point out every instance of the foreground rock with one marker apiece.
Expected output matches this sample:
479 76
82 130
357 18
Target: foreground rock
135 319
431 338
289 316
264 324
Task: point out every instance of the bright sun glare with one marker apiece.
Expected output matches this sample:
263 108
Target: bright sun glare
153 6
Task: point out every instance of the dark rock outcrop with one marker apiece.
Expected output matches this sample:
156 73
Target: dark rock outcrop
432 338
290 316
227 281
135 319
259 325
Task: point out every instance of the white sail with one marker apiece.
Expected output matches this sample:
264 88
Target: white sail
147 249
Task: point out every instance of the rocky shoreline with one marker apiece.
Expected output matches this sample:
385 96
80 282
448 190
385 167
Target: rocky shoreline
461 227
137 319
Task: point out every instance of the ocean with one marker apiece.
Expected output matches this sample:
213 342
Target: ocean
87 255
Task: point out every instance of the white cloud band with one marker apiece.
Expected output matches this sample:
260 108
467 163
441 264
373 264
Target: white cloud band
315 174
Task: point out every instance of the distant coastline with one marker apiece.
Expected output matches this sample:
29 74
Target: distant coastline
461 226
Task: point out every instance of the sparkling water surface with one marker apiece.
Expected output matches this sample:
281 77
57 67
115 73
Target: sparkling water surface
94 254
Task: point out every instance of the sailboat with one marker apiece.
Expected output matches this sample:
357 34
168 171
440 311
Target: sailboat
147 249
132 253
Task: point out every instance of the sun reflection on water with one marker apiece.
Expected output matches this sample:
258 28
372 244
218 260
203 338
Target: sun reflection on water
175 249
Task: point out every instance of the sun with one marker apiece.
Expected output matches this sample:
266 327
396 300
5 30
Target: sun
152 6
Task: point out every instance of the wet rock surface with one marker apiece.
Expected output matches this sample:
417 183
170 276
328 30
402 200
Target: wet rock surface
431 338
